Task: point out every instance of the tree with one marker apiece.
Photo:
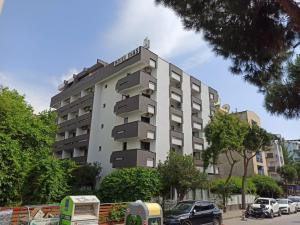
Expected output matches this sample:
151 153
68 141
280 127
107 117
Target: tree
179 172
25 145
259 37
233 186
288 173
225 135
256 140
47 181
130 184
85 177
286 158
266 186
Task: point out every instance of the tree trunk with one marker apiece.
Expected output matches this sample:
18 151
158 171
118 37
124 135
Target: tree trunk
244 181
293 11
230 173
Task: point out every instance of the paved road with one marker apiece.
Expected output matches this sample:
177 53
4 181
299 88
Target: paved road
283 220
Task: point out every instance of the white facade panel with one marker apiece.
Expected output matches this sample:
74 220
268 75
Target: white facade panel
176 118
150 135
175 76
151 109
205 108
176 141
197 126
187 113
196 106
162 143
195 87
176 97
198 146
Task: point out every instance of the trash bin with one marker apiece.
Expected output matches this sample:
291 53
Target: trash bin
79 210
141 213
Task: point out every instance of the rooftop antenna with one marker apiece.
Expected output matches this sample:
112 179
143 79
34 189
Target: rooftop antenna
146 43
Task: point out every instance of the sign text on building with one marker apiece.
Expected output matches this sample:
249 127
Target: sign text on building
127 56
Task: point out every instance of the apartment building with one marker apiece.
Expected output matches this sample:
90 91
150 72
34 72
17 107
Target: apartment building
257 165
293 148
131 112
274 158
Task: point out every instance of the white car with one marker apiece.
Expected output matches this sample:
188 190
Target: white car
270 206
297 200
287 206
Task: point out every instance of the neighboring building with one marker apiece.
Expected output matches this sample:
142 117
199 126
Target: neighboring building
257 165
131 112
293 147
275 158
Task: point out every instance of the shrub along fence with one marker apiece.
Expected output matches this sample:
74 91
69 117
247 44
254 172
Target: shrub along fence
25 215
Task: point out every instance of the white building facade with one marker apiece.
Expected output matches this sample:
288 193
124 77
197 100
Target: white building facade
132 112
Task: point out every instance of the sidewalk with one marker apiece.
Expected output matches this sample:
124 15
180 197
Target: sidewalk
232 214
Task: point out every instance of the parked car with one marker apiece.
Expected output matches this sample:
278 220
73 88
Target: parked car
193 213
287 206
267 207
297 200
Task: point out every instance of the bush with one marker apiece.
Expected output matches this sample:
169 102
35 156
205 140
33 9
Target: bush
130 184
117 213
234 186
266 186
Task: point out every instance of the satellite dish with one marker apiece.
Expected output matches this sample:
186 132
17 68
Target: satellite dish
226 107
146 43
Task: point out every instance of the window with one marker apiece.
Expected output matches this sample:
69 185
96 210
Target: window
102 125
211 96
105 86
100 148
145 119
124 146
145 145
152 63
126 120
197 155
104 105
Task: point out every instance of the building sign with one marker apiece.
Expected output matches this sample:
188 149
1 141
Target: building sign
127 56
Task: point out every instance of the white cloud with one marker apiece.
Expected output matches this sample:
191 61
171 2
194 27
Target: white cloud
36 94
1 5
138 19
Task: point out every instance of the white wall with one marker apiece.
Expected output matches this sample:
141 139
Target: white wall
162 144
187 114
205 108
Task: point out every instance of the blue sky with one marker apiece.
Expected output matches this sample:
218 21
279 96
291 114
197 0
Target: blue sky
44 42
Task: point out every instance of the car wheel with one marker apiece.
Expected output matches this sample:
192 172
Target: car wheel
186 222
216 222
271 214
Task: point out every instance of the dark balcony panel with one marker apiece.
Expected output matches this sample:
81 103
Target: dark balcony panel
137 129
70 143
137 79
136 103
75 123
198 140
196 82
269 155
132 158
176 91
199 162
80 159
78 103
196 100
176 111
215 98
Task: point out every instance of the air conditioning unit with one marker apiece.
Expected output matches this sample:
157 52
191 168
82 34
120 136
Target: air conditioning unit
148 69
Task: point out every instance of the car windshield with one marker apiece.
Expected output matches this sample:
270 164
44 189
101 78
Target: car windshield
262 201
282 201
183 207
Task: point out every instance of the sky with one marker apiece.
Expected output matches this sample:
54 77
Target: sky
44 42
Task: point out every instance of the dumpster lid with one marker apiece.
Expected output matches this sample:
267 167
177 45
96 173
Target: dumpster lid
85 199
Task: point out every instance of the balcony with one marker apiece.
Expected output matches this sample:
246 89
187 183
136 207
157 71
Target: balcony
272 169
136 129
132 158
176 138
71 143
269 155
144 81
145 106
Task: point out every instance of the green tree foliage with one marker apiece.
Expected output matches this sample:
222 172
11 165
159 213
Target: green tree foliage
25 145
225 189
85 177
180 172
47 181
266 186
288 173
286 158
256 140
225 135
259 37
130 184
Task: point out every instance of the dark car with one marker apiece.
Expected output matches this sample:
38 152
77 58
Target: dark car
193 213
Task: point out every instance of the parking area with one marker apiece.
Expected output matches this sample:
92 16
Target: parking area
283 220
